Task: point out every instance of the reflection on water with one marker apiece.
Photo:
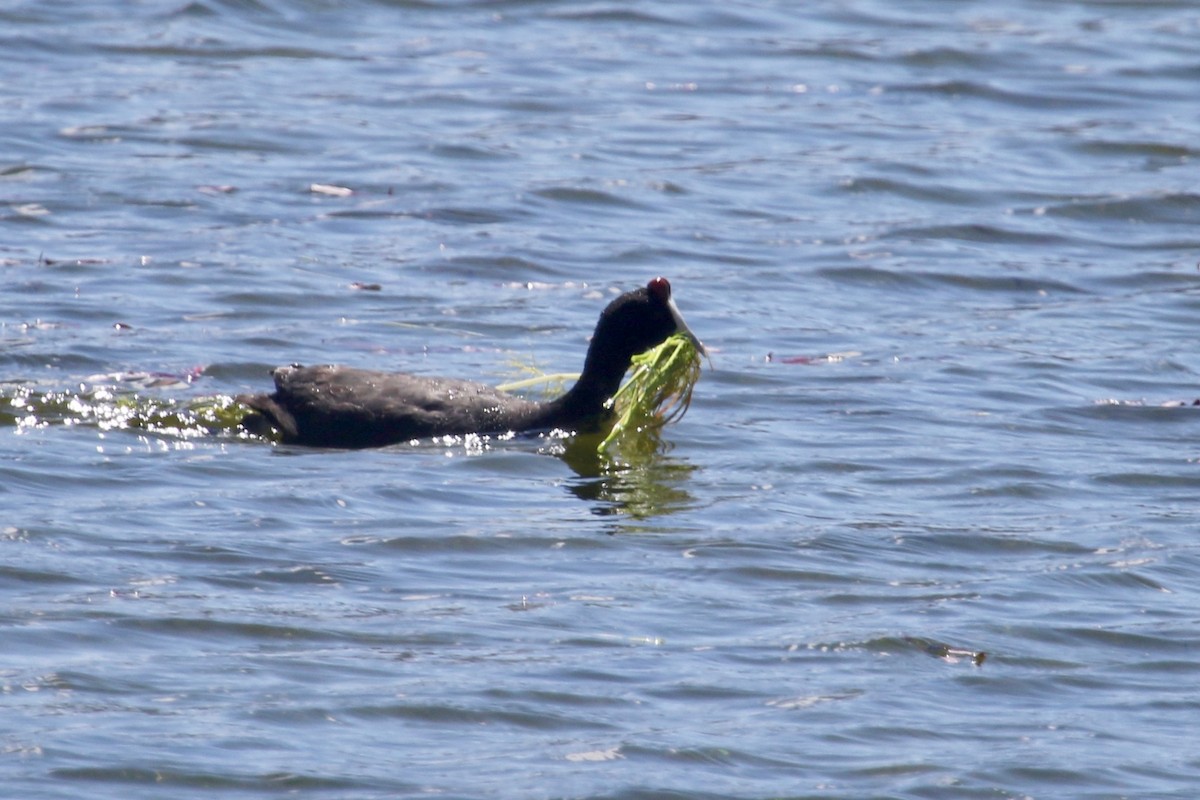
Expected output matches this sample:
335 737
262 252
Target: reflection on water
641 480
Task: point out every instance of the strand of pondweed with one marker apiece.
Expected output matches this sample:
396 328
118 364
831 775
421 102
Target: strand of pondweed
552 383
111 410
659 389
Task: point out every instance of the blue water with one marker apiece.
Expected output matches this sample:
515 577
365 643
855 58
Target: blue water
929 529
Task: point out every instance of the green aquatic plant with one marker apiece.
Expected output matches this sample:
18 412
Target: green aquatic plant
550 385
658 390
107 409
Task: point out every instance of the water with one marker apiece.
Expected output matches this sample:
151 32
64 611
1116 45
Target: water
946 255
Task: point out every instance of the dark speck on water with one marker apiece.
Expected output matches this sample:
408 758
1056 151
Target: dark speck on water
927 531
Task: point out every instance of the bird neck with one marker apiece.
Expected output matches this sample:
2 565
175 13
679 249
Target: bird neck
599 381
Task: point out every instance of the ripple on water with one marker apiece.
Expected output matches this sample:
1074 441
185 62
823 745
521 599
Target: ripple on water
946 263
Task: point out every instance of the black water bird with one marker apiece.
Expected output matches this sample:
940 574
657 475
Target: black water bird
333 406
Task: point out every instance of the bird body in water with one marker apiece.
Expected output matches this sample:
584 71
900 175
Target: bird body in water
334 406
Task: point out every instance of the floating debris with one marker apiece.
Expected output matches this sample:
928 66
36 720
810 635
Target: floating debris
106 409
828 358
946 652
331 190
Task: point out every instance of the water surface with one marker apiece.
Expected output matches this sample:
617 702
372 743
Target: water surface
945 255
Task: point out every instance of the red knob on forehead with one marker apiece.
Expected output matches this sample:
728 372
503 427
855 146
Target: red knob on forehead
660 289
